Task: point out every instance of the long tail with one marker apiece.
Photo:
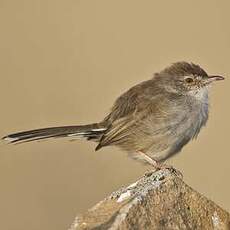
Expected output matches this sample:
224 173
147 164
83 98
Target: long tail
91 132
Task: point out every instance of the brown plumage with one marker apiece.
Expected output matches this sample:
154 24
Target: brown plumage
156 117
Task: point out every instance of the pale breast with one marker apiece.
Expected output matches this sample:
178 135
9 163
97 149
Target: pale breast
191 117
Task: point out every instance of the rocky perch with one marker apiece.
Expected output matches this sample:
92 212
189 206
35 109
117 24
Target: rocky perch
158 200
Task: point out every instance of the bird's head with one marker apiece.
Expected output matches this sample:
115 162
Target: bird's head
186 78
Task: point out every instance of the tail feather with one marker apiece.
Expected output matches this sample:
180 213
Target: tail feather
92 131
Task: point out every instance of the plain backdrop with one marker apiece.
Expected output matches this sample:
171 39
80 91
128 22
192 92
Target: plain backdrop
64 63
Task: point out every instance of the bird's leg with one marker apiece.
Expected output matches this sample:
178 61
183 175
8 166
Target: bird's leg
159 165
143 156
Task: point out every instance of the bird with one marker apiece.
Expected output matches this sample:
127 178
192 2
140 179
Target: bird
152 121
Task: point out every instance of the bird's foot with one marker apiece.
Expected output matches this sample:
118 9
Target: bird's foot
161 166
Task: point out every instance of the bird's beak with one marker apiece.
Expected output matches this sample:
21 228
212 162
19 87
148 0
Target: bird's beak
213 78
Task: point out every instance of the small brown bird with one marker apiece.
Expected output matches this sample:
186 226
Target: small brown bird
151 121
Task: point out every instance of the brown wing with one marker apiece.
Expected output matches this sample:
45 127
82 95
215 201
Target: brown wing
127 111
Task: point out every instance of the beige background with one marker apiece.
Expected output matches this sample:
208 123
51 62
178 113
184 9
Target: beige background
65 62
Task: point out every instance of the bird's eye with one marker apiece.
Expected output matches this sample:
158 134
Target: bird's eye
189 80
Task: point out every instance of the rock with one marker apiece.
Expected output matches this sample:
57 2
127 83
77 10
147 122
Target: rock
158 200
